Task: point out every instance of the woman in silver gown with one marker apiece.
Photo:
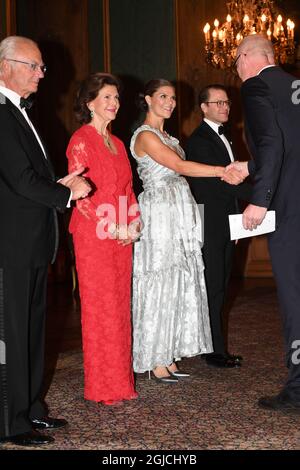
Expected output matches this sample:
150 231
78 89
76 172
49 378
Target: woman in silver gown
169 305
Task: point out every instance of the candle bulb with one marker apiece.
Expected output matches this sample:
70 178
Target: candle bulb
292 29
263 22
206 30
239 38
216 24
277 26
246 21
214 35
228 19
269 34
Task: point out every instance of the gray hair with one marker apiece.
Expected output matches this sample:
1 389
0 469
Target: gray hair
259 44
10 44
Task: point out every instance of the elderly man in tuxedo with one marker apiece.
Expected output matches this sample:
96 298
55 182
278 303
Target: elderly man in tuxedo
208 144
29 199
272 121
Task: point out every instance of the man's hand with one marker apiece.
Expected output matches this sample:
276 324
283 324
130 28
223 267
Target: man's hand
242 167
253 216
232 176
77 184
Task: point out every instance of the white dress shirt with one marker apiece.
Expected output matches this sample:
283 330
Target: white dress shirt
215 127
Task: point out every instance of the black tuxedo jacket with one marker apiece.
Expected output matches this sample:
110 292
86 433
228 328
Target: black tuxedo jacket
29 195
219 198
272 120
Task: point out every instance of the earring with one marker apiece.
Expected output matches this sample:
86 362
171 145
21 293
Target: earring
92 113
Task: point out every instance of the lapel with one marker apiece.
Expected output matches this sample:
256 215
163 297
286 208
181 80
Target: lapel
210 134
47 159
21 119
19 116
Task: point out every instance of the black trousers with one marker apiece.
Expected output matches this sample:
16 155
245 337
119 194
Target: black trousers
22 331
284 246
217 255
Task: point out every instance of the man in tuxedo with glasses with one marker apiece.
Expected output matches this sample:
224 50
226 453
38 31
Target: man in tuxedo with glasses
208 144
29 199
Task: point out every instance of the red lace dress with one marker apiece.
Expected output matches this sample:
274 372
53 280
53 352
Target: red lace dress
103 267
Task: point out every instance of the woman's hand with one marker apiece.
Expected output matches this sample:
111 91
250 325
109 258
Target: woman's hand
129 233
242 167
232 175
123 237
135 229
125 234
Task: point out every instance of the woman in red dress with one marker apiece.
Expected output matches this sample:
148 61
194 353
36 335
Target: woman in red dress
103 234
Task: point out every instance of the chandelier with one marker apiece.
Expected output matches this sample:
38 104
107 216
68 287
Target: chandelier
248 17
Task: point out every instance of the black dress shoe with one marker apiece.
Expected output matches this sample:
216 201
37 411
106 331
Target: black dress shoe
31 438
48 423
280 402
234 357
221 360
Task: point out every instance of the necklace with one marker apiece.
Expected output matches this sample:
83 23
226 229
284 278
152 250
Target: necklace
106 140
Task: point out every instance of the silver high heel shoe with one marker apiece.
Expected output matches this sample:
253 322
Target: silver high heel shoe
170 379
179 374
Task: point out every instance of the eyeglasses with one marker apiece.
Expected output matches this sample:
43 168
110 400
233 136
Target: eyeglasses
34 67
220 103
234 63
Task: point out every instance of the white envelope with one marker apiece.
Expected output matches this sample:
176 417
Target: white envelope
237 230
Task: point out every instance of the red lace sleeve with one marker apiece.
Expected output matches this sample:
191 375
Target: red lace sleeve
77 154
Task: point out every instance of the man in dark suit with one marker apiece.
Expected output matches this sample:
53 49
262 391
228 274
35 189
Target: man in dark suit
272 120
29 198
208 144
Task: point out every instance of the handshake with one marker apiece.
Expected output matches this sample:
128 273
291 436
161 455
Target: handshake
235 173
77 184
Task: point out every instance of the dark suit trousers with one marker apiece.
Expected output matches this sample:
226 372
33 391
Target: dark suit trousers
217 256
284 245
22 329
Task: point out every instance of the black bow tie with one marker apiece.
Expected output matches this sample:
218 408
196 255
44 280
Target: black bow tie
26 103
221 130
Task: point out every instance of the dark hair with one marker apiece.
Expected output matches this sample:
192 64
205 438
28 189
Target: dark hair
88 91
149 89
204 93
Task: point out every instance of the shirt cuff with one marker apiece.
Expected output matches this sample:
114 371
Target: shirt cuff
70 199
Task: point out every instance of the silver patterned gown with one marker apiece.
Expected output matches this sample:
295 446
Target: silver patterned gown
169 304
